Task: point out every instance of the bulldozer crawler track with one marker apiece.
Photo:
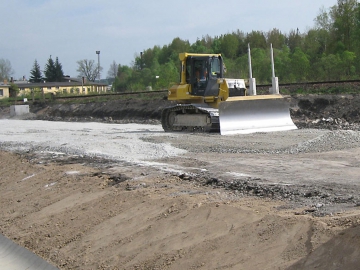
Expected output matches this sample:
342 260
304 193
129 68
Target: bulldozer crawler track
169 114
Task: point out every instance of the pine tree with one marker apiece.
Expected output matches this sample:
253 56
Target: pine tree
50 71
36 76
59 71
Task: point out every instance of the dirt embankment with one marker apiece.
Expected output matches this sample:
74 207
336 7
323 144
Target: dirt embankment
124 217
326 111
82 212
309 111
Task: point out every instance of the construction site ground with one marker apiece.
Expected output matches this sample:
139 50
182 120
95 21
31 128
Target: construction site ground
101 186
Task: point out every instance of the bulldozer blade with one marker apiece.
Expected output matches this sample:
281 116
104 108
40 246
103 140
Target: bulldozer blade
252 114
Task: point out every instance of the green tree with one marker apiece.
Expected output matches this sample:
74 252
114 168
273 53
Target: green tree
169 74
324 25
315 43
138 63
197 47
357 36
170 52
50 70
323 20
348 65
276 38
59 73
229 45
300 65
232 69
329 67
138 80
150 55
122 79
35 73
14 91
178 46
357 23
243 44
344 17
164 55
282 62
155 67
323 52
294 40
207 41
135 81
116 85
261 63
312 46
256 39
237 68
216 45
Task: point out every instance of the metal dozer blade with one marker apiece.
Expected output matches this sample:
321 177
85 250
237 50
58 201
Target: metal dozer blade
250 114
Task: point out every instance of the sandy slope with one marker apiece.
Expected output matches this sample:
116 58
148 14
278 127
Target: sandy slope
80 211
132 217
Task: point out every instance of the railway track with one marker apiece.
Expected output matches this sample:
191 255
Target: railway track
288 86
351 86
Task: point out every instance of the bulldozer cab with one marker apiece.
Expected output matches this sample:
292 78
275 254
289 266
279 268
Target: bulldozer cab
202 73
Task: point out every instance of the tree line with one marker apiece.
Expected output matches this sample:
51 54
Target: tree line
327 51
53 71
330 50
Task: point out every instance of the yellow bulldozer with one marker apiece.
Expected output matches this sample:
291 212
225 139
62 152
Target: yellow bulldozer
208 102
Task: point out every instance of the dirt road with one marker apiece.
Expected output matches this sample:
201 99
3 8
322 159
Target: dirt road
113 196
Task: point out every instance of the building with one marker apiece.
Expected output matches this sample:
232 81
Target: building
4 90
74 86
69 86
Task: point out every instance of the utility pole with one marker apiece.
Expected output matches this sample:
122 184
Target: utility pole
98 53
252 81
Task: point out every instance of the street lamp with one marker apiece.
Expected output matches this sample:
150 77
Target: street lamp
98 53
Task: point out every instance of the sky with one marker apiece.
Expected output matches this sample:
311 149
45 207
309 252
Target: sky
74 30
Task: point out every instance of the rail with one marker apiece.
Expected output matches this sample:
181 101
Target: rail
259 86
164 91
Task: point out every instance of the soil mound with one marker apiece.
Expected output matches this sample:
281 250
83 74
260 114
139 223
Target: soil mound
310 111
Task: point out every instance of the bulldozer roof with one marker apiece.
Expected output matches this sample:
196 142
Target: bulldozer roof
183 56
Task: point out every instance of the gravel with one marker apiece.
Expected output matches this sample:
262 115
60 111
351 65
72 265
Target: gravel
288 142
119 142
302 167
